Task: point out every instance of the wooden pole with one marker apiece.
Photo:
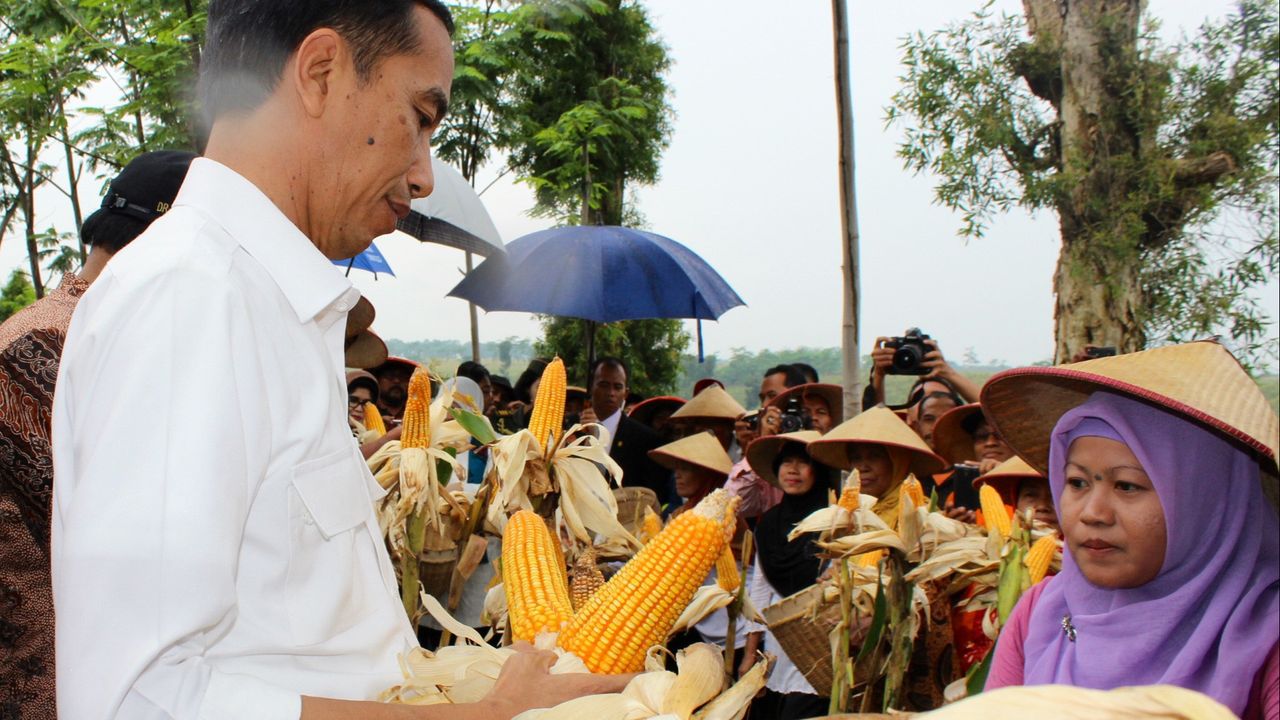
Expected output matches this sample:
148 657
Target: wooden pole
475 322
848 214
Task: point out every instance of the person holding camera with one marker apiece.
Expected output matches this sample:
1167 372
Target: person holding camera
811 406
915 353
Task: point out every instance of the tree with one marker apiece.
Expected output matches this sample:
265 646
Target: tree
17 294
588 115
1144 151
651 349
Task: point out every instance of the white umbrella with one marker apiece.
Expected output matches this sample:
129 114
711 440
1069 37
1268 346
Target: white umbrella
452 215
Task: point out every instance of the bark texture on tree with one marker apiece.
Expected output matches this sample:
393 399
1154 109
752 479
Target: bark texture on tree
1098 285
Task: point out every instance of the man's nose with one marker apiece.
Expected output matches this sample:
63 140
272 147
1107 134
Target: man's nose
421 179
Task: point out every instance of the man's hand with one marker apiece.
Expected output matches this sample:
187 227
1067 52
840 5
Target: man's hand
940 369
588 416
770 420
743 431
526 683
881 358
987 466
964 515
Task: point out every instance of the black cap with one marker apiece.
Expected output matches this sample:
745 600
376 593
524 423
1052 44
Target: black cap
142 192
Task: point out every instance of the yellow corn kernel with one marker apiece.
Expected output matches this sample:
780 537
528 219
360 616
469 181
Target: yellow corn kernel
650 526
727 575
849 499
911 488
586 579
994 513
869 558
373 419
547 421
537 598
416 426
1040 556
637 608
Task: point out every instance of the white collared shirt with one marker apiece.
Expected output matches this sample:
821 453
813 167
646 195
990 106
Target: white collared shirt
611 424
215 548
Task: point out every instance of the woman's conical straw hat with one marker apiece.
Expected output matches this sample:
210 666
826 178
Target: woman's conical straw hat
762 451
713 403
833 395
1006 476
1200 381
953 436
644 410
877 426
700 449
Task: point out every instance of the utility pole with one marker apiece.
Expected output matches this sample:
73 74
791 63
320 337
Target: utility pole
848 214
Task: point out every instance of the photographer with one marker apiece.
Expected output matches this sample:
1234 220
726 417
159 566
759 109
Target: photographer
812 406
913 354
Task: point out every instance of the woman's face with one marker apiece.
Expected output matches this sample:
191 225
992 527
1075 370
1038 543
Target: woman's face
1034 493
987 445
1112 519
356 398
795 475
874 466
689 480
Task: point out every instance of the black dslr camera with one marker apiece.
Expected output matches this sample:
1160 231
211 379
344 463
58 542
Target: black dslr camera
794 417
909 352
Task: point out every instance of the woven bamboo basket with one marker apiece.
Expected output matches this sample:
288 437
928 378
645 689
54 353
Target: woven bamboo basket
802 623
439 557
631 504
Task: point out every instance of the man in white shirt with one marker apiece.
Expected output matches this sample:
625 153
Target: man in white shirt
215 550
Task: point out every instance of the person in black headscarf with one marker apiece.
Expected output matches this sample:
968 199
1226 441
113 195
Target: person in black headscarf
784 567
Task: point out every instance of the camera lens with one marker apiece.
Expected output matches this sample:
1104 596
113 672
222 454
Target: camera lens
907 358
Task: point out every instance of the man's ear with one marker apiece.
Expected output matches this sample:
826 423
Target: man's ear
321 58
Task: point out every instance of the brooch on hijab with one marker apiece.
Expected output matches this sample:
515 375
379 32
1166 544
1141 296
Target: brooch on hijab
1068 628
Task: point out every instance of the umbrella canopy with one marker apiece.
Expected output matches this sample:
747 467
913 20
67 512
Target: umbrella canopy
371 259
452 215
599 273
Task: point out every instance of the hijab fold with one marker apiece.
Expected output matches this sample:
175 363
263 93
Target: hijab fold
1210 618
886 508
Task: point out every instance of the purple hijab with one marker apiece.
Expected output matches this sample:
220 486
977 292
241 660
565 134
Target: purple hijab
1210 618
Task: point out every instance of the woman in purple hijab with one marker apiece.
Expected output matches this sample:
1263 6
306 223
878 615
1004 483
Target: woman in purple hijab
1171 573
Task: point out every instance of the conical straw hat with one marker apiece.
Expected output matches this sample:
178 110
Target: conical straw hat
877 426
712 403
701 449
1200 381
832 394
644 410
365 350
762 451
952 436
1006 476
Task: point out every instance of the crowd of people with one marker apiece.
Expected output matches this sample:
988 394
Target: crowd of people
188 524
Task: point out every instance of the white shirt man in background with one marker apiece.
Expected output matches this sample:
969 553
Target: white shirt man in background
215 549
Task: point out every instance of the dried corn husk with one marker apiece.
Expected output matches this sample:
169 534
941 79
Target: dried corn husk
1074 703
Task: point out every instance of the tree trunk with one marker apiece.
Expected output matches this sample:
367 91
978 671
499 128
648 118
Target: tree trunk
73 178
29 216
1097 282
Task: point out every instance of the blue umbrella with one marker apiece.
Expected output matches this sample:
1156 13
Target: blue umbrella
371 259
599 274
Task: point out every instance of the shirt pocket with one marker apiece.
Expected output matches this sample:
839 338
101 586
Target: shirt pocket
331 558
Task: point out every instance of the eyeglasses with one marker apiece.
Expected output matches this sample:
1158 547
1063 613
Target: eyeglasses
353 401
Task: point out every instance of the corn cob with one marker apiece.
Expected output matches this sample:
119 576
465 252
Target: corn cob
1039 557
994 512
547 421
650 526
373 419
911 488
849 496
639 605
870 558
416 428
537 599
586 579
727 575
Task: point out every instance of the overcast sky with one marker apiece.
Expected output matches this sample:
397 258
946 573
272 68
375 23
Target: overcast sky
750 183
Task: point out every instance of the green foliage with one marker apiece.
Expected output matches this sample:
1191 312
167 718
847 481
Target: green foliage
17 294
587 112
651 348
476 100
1177 175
